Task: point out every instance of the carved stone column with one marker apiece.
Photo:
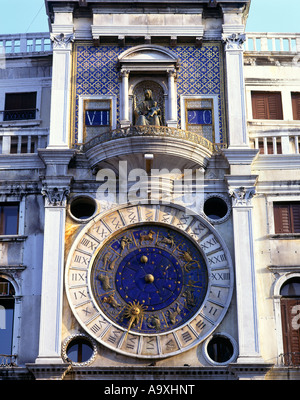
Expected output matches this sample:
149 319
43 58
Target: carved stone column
247 315
52 278
124 98
172 105
235 86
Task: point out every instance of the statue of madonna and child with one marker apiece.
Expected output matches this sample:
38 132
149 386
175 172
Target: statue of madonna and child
147 112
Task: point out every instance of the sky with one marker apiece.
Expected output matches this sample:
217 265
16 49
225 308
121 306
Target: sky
26 16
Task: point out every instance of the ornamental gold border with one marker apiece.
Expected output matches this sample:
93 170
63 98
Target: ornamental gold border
157 345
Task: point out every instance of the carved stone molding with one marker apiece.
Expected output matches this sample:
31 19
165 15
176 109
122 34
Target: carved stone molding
62 41
12 271
172 72
55 196
124 73
235 41
242 196
18 189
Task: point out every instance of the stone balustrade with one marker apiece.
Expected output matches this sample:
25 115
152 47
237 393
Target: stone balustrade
23 140
280 137
273 42
25 43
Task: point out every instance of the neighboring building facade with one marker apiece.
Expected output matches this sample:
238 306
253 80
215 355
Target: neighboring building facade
150 209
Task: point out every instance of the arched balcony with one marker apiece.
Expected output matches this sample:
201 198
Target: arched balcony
158 140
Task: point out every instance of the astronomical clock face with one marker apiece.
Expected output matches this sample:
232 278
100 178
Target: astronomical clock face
149 281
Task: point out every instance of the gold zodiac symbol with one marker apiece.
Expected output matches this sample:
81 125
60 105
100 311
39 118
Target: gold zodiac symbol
154 322
189 297
173 313
125 242
111 301
148 237
104 279
190 263
167 240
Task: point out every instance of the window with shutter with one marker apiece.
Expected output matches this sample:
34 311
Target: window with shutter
296 105
287 217
296 217
266 105
290 314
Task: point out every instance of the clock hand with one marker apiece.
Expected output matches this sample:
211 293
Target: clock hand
135 312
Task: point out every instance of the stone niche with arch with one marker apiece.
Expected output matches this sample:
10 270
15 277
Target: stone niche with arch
148 67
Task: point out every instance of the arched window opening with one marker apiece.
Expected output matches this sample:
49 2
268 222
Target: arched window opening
290 313
291 288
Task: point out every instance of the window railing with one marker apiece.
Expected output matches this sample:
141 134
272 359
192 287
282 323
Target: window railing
18 115
7 360
290 359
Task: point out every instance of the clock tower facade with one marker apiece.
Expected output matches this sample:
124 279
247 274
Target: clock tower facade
149 247
147 119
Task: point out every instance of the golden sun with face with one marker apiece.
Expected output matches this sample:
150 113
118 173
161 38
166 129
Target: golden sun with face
135 313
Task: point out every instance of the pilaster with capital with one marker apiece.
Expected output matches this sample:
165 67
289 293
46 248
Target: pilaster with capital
62 36
55 189
235 87
52 279
244 254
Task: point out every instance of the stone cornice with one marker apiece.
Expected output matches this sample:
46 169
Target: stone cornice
231 372
56 160
57 156
20 161
236 181
277 161
240 155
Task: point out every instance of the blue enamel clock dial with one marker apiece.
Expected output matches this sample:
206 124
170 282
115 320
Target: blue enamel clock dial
149 279
151 276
